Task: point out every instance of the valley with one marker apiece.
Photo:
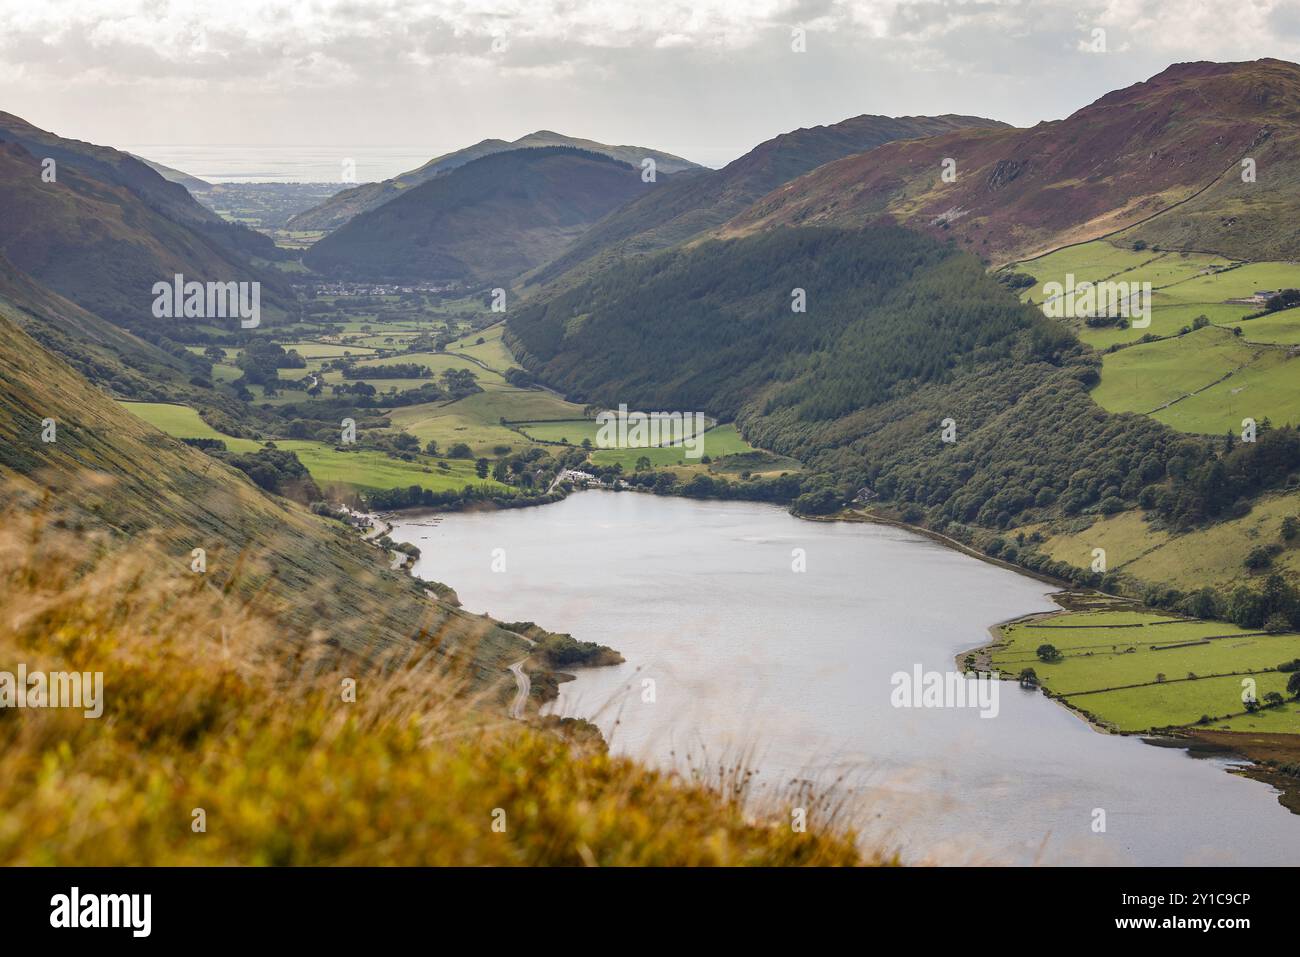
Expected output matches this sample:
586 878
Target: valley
404 467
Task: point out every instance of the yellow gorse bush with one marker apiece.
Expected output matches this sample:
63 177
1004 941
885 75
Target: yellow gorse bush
204 709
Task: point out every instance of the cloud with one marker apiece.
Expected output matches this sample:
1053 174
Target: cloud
711 73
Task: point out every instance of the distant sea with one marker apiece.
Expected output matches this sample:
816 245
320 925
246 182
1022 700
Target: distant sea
324 164
288 164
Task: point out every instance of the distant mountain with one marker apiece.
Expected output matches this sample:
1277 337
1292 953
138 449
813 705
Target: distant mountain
1162 159
108 227
341 207
191 183
486 221
116 168
688 205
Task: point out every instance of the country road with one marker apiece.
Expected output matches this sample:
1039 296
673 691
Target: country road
521 696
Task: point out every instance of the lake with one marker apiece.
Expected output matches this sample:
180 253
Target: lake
793 669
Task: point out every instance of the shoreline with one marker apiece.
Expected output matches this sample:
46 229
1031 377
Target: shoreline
1288 787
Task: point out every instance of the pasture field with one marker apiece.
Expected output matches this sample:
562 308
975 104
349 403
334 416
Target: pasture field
1266 388
182 422
1183 703
326 350
1145 377
368 469
223 372
1184 285
1211 555
476 420
492 352
1104 652
573 431
719 441
439 362
1278 328
362 468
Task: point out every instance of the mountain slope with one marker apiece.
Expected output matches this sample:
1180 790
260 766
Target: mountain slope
102 245
191 183
688 205
487 221
341 207
104 353
1167 151
110 471
141 178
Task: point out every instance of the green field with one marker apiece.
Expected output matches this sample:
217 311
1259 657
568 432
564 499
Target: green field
325 350
1143 378
718 442
1100 660
1267 388
573 431
492 352
1205 381
1279 328
362 468
439 362
1184 285
476 420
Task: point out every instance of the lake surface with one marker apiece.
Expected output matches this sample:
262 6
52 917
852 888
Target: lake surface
794 669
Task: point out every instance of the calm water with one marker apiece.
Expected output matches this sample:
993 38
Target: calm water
747 654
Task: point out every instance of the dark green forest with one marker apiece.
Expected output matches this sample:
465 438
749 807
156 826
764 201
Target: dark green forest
901 335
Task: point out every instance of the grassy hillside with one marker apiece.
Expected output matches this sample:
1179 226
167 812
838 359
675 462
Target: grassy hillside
109 471
339 208
485 222
1161 159
1214 359
685 206
204 710
1136 671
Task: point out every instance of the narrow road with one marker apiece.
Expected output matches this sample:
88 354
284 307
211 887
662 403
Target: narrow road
524 685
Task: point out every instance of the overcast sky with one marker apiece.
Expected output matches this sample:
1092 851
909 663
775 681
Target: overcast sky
706 79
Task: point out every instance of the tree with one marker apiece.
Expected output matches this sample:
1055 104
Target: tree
481 468
460 451
501 471
431 448
1028 678
1290 528
642 463
1293 684
1048 653
1259 558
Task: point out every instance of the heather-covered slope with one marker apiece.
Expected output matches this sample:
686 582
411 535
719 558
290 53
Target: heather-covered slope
687 205
1163 156
110 471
